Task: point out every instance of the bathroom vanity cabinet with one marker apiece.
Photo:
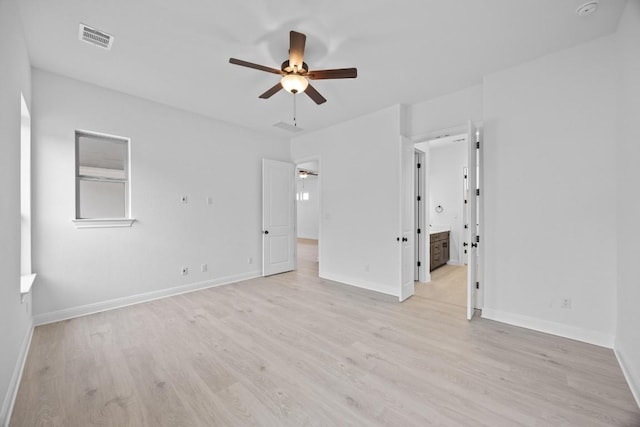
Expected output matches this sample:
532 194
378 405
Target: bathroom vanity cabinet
439 249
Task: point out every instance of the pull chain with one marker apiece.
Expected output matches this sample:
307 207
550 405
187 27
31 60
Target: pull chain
295 124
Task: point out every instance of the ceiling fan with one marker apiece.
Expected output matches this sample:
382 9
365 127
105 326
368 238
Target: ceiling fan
295 72
304 173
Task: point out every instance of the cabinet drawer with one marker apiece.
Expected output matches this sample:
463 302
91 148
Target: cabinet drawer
437 237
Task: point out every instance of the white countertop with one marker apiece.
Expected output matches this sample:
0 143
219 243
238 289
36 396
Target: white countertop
439 229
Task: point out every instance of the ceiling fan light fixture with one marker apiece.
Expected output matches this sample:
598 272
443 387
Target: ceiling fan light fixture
294 83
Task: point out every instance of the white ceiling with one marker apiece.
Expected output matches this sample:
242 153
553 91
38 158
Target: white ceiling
406 51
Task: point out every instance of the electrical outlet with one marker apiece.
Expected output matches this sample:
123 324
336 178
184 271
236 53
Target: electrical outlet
565 303
204 268
185 271
184 199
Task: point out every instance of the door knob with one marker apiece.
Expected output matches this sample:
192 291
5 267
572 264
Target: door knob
465 244
474 245
266 231
404 239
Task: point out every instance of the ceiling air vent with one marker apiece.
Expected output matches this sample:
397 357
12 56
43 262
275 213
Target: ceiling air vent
287 127
95 37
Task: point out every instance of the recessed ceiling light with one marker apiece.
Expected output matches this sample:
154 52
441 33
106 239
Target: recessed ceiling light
587 8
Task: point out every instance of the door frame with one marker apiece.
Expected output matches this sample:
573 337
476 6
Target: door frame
460 129
423 248
296 162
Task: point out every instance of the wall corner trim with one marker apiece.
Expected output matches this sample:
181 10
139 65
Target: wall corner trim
12 392
69 313
633 378
549 327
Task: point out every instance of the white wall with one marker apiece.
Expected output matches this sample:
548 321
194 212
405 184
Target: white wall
446 181
173 153
550 193
445 112
308 211
628 160
15 318
360 183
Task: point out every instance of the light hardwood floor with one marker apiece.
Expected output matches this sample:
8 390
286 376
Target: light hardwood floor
448 284
296 350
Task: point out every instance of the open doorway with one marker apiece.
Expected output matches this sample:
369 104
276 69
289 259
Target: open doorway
308 217
447 228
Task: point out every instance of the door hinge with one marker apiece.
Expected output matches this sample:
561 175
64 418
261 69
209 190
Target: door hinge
419 264
477 239
466 226
465 202
478 144
477 191
419 198
465 251
419 231
477 285
418 165
465 177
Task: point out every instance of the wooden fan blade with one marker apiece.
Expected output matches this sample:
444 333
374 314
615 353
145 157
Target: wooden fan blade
254 66
296 48
271 92
315 95
338 73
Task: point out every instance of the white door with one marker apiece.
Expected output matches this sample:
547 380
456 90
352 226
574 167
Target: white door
472 202
407 229
278 217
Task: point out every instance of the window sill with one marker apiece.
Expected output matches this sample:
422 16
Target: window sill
103 222
26 282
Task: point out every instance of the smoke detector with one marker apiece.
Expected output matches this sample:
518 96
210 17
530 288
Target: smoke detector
95 37
587 8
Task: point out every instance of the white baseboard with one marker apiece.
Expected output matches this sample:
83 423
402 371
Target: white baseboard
12 391
408 289
632 377
426 278
546 326
371 286
68 313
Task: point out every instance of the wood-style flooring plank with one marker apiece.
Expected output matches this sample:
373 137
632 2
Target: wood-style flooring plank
296 350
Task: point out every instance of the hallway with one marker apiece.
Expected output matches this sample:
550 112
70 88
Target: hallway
448 285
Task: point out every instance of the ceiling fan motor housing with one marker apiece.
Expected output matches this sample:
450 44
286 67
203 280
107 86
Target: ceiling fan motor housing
287 68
